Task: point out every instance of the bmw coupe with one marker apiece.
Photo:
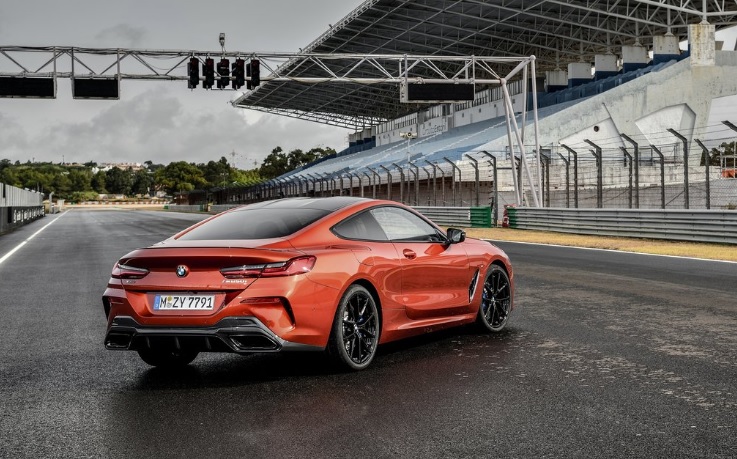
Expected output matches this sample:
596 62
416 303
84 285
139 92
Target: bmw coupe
341 275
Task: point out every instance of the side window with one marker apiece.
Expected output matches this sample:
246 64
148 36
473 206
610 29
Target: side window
402 225
361 227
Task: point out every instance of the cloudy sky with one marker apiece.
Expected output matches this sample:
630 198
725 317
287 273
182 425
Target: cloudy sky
158 121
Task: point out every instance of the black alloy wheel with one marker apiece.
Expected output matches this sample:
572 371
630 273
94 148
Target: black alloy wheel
355 333
496 300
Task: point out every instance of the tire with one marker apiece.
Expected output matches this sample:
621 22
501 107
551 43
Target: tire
496 300
167 358
356 328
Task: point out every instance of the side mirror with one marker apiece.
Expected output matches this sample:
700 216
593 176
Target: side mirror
456 236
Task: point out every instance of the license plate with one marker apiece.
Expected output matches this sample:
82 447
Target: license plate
184 302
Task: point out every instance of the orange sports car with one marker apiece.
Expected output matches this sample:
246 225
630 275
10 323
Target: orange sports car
339 274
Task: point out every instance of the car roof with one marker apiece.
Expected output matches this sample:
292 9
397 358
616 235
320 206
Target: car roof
330 204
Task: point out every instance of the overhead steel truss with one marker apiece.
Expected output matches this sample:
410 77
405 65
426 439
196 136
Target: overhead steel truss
386 72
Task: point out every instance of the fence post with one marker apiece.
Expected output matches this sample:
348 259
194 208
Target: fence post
568 188
685 166
388 182
429 183
417 182
476 169
376 181
706 164
599 174
575 174
662 175
453 182
492 159
434 182
636 148
401 182
370 182
629 156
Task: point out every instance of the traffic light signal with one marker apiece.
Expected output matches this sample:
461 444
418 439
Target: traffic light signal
239 73
224 72
193 70
255 73
209 71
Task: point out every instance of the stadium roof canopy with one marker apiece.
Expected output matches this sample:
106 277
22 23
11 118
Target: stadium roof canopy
555 31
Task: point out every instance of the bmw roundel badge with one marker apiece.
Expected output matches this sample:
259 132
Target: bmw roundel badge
182 271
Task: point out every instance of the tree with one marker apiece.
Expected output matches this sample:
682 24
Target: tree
726 153
98 182
217 173
142 182
274 165
118 181
180 176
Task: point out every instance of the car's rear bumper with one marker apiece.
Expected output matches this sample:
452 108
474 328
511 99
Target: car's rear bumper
242 335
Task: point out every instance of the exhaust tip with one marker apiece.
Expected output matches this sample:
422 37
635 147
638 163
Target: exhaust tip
254 342
118 340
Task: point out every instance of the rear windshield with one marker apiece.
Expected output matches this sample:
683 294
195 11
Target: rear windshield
262 223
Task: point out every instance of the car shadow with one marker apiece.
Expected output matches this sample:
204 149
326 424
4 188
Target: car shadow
230 370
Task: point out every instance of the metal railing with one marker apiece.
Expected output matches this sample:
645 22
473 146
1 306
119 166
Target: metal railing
18 207
465 217
680 225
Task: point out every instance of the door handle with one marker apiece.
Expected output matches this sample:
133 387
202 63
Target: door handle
409 254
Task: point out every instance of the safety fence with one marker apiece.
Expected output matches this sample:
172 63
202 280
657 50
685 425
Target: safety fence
18 207
465 217
682 225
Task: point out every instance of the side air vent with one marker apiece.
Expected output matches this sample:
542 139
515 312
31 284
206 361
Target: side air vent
472 286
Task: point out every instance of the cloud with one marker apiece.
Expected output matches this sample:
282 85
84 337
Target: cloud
12 136
163 126
121 36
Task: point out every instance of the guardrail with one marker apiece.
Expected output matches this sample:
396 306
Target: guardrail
679 225
18 207
465 217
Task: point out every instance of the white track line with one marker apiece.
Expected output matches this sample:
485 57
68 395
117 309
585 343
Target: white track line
611 250
17 247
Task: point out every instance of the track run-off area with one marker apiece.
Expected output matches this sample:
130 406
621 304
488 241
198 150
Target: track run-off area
607 355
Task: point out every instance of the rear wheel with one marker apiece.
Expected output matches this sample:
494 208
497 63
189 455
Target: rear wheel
355 333
496 300
166 358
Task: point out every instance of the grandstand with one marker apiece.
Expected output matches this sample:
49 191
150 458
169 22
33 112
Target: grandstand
608 72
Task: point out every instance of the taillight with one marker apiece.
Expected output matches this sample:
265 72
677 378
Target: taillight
121 271
299 265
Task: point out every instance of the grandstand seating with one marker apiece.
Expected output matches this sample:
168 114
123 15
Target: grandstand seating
456 142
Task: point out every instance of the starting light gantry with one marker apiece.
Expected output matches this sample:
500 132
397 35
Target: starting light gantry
32 72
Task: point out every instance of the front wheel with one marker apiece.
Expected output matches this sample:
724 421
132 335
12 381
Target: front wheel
355 333
167 358
496 300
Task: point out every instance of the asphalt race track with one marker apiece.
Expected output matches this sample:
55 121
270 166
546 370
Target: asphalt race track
607 355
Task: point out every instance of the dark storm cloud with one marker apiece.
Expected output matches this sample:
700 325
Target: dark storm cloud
158 126
121 35
160 121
